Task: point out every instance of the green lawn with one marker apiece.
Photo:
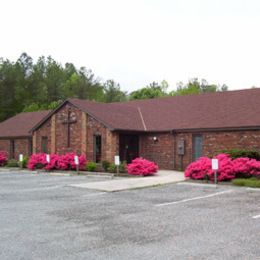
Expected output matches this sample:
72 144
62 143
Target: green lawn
251 182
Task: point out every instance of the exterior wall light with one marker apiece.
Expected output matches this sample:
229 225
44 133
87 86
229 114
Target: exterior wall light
155 139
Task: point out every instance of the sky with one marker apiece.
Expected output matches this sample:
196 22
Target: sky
136 42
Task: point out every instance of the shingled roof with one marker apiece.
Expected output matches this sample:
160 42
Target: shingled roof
239 109
21 124
221 110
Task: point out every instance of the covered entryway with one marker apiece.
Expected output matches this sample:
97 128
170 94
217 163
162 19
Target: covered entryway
128 147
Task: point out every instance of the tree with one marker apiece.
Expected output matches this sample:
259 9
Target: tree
195 86
29 86
154 90
112 92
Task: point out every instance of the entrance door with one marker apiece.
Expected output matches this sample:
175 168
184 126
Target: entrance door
197 147
128 147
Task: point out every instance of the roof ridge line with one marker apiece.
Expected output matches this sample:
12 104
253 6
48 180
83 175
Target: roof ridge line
142 119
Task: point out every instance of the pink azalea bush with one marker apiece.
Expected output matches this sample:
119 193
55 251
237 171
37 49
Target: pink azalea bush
59 162
66 162
242 167
37 161
228 168
226 171
254 168
3 158
199 169
140 166
53 164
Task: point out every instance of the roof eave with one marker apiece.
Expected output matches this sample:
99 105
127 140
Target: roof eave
217 129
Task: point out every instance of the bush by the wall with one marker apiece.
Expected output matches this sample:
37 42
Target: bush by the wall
228 168
91 166
3 158
53 164
105 165
236 153
37 161
140 166
122 167
199 170
66 162
112 168
226 171
63 162
25 161
12 163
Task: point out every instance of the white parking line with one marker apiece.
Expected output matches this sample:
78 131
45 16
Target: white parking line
94 194
191 199
255 217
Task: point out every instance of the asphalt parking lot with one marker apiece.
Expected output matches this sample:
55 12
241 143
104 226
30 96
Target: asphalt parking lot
43 217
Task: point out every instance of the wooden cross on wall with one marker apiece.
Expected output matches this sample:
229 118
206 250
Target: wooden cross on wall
69 121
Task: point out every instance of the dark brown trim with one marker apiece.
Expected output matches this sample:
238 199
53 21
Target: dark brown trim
221 129
14 137
124 131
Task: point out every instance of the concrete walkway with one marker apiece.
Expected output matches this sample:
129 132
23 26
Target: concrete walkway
162 177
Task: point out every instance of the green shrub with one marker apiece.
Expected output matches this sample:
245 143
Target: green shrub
251 182
122 167
105 165
112 168
25 161
91 166
12 163
236 153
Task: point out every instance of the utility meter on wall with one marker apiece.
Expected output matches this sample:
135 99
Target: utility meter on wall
181 147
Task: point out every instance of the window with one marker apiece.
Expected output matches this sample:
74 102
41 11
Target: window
44 144
197 147
97 148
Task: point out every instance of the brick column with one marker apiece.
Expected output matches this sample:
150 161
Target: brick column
84 133
34 140
53 133
112 147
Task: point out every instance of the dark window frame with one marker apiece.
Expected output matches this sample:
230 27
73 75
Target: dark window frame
195 152
97 140
44 144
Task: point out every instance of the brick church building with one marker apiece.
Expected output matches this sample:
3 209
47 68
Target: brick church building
172 131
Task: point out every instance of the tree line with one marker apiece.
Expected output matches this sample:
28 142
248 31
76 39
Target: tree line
27 86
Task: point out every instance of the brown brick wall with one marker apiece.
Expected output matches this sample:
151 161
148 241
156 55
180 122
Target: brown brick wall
215 141
21 146
110 140
44 130
160 151
75 130
181 162
164 152
5 145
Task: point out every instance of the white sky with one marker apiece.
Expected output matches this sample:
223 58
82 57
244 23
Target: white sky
136 42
